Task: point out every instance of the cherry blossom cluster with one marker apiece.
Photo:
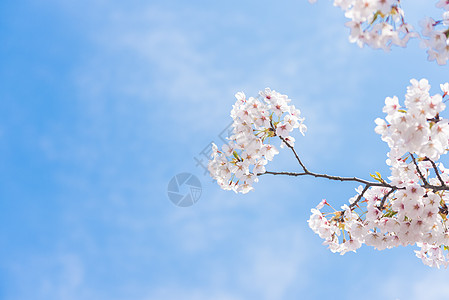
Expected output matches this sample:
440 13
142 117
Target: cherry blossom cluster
410 209
413 207
376 23
381 24
416 128
435 35
256 120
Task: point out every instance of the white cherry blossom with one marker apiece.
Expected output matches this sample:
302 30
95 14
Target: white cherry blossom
256 121
407 207
381 24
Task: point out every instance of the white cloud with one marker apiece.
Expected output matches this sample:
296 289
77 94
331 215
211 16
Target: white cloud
153 58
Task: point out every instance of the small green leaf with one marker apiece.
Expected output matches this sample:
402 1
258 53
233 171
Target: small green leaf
236 155
390 213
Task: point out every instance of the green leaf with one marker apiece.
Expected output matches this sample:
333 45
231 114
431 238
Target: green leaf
377 177
236 155
390 213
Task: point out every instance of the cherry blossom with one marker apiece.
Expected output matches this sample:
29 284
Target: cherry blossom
412 208
381 24
409 207
256 121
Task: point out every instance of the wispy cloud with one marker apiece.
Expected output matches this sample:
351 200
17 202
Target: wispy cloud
156 85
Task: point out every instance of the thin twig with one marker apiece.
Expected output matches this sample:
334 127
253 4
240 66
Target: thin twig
330 177
419 171
296 154
367 183
436 171
359 197
382 202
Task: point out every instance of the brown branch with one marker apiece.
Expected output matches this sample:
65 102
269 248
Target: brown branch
436 188
436 171
331 177
419 171
317 175
367 183
355 179
296 155
291 147
359 197
284 173
382 202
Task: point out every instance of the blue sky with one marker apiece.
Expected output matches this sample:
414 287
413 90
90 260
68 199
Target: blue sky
103 102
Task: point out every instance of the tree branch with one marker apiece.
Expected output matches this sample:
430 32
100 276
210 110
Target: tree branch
382 202
331 177
296 155
359 197
367 183
436 171
419 171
